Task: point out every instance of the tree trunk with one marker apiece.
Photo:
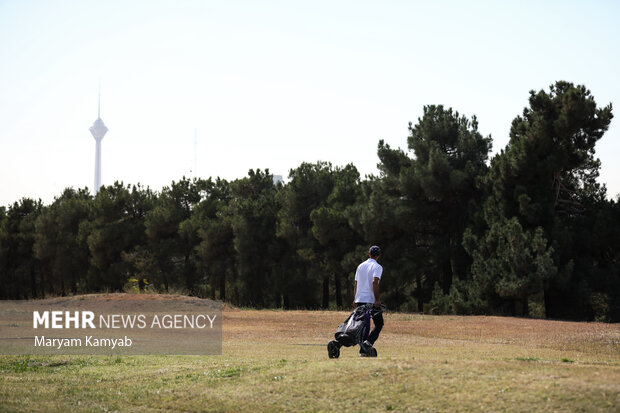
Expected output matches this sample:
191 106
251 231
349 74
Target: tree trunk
553 303
33 284
44 269
50 280
446 281
223 286
458 257
73 284
325 293
420 295
189 274
526 307
212 284
350 297
338 291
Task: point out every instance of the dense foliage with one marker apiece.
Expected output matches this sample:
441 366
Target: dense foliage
529 232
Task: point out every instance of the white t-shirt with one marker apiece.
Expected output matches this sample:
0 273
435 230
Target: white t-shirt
366 272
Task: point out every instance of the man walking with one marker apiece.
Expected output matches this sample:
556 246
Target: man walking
367 303
367 278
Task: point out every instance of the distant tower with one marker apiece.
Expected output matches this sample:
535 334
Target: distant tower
98 130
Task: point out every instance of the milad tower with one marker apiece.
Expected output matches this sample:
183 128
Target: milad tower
98 130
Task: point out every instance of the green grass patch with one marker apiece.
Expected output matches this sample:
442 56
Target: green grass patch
532 359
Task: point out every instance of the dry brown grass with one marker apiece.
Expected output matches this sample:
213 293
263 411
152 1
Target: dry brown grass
277 361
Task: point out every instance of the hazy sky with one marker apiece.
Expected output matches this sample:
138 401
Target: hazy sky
271 84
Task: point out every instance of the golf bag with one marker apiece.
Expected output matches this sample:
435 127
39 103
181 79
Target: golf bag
355 328
353 331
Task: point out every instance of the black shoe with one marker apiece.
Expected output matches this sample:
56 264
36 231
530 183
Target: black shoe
333 349
367 350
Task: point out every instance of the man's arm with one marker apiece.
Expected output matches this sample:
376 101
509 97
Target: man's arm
354 292
375 289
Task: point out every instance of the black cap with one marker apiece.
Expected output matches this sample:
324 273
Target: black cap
374 251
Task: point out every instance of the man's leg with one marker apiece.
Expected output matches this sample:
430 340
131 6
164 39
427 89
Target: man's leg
377 318
364 346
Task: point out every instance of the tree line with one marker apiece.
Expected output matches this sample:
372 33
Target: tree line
527 232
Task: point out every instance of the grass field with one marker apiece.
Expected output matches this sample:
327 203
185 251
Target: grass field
277 361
